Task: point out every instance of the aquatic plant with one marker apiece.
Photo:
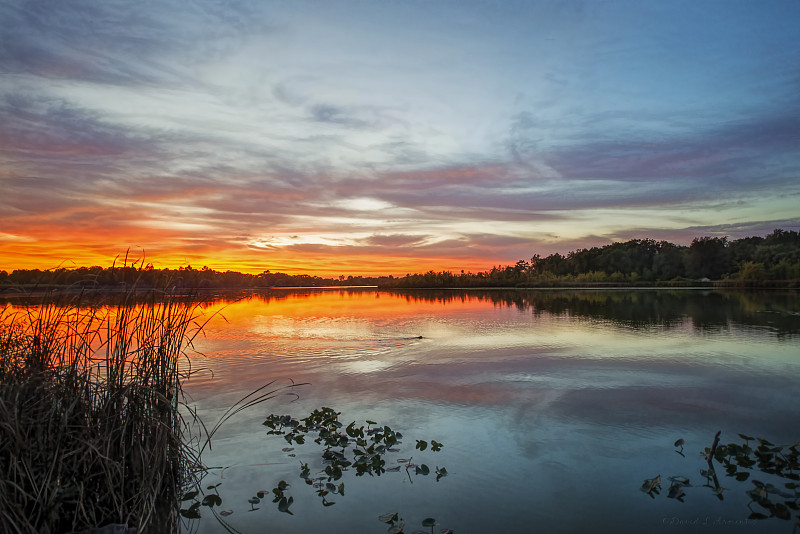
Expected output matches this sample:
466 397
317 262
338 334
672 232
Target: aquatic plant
358 448
776 461
396 524
90 427
778 497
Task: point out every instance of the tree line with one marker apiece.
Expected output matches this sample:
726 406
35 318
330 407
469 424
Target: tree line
183 277
750 261
770 260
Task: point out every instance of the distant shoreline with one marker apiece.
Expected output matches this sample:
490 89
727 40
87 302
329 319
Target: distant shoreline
28 291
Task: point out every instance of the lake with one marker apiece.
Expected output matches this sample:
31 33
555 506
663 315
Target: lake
553 406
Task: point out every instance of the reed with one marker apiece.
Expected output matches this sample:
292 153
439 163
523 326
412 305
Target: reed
91 425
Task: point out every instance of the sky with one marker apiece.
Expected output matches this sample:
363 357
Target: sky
390 137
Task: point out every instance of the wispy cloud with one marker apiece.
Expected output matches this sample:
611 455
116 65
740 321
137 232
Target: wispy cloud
389 137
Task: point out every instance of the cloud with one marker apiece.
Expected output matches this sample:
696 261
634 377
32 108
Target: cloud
461 136
395 240
733 154
38 127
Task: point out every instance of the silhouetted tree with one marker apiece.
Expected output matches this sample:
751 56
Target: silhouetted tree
708 257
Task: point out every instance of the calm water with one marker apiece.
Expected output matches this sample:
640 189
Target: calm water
553 406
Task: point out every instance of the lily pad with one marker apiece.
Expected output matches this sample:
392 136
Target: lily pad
284 504
189 496
429 522
676 492
387 518
212 500
651 484
192 512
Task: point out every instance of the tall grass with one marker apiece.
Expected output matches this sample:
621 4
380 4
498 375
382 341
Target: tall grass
91 431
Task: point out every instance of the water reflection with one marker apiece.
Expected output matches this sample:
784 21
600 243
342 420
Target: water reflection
707 309
543 399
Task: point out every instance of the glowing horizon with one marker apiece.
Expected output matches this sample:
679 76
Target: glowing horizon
389 138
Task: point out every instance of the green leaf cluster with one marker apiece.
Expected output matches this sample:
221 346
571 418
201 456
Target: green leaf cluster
358 448
741 461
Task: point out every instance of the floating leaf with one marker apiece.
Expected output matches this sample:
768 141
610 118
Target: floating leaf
782 512
190 514
679 443
651 484
680 480
212 500
284 504
423 470
429 522
193 512
390 517
742 476
189 496
225 513
396 529
676 492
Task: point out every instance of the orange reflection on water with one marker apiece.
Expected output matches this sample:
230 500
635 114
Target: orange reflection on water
74 330
328 309
354 303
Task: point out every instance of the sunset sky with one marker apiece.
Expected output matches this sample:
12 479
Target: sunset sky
387 137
